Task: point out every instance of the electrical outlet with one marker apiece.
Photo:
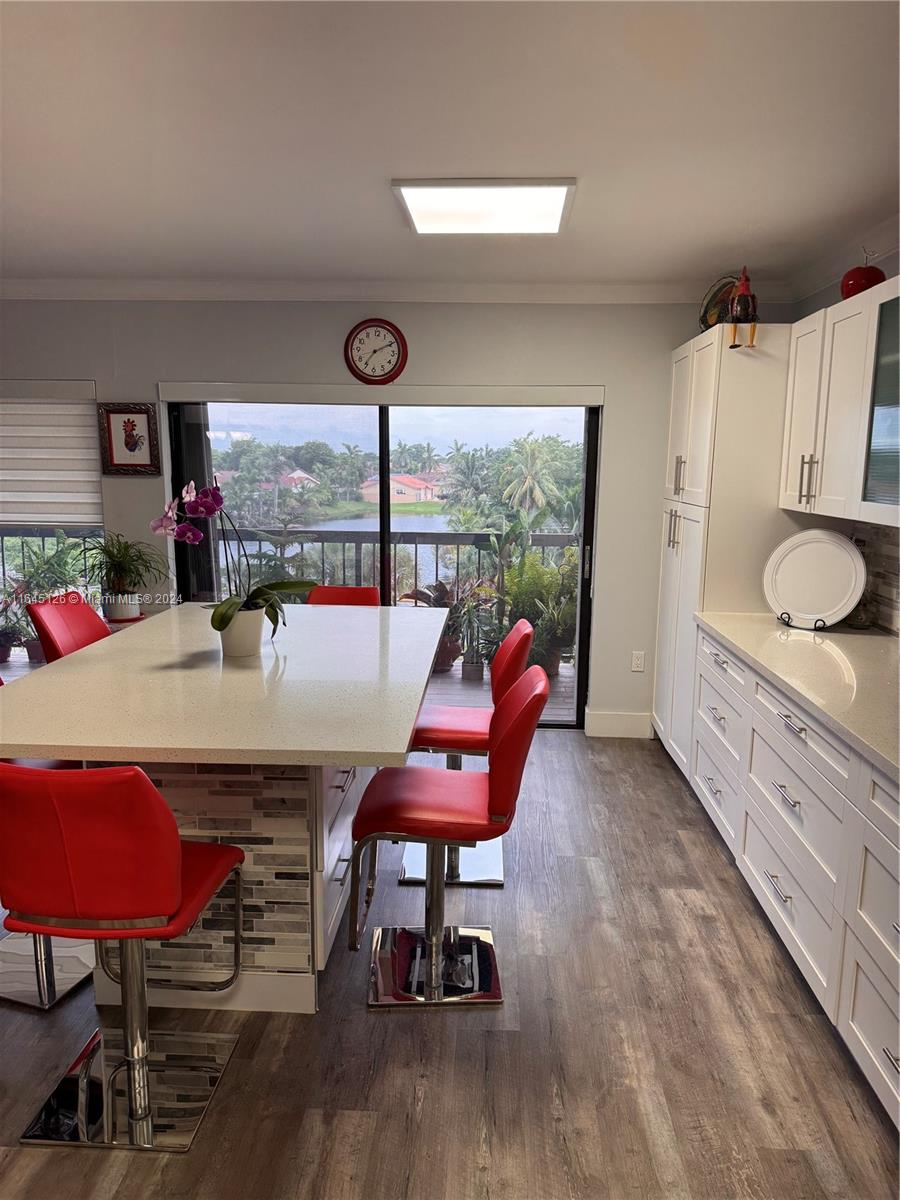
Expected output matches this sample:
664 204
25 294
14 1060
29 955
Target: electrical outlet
637 660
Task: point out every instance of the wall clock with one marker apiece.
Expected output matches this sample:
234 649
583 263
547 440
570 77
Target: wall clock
375 351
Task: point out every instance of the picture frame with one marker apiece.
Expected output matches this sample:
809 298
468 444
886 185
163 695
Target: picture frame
129 439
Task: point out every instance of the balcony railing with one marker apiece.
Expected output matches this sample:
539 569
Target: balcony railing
15 538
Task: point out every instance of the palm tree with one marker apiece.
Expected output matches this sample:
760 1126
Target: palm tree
429 458
530 482
468 482
456 449
400 457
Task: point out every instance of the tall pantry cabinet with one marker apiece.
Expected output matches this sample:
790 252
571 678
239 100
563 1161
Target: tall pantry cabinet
719 516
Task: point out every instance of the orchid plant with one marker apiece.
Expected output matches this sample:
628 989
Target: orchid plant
177 522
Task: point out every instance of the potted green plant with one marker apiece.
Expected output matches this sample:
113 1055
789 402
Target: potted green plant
239 617
474 604
44 572
13 630
121 568
439 595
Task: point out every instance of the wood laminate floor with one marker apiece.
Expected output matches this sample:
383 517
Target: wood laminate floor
656 1042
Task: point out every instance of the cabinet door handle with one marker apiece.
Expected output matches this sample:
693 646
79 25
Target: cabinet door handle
716 714
669 514
342 879
773 879
677 518
810 494
719 660
804 460
892 1059
782 791
711 784
896 927
679 471
800 730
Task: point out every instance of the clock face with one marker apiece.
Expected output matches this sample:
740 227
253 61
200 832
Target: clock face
375 351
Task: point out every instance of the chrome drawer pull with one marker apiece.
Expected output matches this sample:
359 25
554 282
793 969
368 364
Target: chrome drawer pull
719 660
773 879
711 784
896 927
716 714
342 879
892 1059
782 791
800 730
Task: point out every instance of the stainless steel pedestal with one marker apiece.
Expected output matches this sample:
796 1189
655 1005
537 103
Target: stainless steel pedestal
402 976
38 971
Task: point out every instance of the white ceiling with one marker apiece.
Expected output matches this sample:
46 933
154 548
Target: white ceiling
254 142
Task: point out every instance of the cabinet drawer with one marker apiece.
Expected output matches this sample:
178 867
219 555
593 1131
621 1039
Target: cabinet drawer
722 662
804 920
818 745
717 789
333 876
877 797
725 716
805 809
867 1021
873 885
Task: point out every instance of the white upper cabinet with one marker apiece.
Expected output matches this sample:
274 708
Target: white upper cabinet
695 370
804 370
841 433
678 419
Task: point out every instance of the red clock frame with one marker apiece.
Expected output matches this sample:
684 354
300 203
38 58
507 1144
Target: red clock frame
401 344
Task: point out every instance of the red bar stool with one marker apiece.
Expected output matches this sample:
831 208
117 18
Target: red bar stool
95 854
355 596
66 623
34 971
438 964
455 731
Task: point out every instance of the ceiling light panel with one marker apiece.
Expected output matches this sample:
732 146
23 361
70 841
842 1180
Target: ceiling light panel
485 206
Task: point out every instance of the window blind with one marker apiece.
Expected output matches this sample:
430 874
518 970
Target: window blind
49 453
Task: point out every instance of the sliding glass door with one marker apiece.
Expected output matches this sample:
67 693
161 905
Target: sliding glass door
485 511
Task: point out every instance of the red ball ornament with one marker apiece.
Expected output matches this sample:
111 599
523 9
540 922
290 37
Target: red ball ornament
860 279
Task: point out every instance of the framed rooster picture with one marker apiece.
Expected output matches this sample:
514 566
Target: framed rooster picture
129 439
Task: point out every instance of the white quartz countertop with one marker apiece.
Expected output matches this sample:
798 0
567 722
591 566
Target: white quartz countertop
337 686
847 677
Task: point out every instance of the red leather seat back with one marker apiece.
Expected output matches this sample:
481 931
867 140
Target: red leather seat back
360 596
66 623
510 659
512 729
96 844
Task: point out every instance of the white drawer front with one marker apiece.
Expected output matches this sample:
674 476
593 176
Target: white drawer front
718 791
877 796
333 876
824 749
723 662
725 716
867 1021
873 887
805 922
805 809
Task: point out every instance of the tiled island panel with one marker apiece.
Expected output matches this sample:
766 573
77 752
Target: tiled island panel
266 810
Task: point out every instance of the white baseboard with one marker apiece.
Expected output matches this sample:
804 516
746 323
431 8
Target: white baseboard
617 724
255 991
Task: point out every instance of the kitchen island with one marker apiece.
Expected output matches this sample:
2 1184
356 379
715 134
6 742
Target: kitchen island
269 753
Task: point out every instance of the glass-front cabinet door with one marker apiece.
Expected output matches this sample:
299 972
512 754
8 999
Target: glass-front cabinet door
881 472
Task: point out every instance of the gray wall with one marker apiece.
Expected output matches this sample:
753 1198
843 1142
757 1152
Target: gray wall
827 296
128 347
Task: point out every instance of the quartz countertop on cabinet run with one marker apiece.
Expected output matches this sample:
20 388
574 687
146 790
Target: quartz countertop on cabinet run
848 677
336 686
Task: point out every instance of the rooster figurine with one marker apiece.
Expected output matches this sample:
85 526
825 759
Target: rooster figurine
742 310
133 440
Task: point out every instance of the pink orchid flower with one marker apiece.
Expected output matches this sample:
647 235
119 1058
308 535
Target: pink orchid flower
188 492
188 533
164 526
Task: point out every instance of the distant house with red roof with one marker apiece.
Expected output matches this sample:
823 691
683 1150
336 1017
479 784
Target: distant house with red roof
404 489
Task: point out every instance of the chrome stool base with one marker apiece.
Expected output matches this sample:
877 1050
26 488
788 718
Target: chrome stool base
469 973
467 866
38 971
89 1105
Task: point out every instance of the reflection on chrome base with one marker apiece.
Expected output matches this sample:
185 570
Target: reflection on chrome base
37 970
401 968
89 1106
467 866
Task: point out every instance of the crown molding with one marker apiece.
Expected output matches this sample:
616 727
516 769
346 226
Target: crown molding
394 292
880 240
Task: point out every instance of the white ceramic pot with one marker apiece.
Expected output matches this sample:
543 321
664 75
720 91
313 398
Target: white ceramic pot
122 608
243 637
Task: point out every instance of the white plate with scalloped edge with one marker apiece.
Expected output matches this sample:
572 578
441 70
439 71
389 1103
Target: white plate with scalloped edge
814 579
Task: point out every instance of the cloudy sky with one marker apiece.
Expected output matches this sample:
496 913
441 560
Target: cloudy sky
334 423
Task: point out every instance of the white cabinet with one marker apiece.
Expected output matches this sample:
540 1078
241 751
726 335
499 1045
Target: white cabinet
695 371
840 447
339 792
799 450
681 582
679 410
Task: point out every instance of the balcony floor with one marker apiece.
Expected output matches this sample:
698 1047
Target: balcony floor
451 688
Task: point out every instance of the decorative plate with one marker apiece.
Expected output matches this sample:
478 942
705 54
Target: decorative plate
814 579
